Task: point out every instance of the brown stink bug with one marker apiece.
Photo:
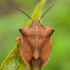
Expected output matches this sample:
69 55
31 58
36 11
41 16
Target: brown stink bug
36 44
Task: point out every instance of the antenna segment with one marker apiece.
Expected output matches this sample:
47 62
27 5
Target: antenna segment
24 13
46 11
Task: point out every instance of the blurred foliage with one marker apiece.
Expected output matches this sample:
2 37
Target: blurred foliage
13 60
58 18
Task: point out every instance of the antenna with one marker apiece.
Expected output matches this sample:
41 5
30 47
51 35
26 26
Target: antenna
46 11
24 13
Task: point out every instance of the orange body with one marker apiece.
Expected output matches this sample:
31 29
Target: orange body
36 44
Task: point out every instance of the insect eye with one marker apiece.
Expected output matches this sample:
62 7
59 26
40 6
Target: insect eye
31 25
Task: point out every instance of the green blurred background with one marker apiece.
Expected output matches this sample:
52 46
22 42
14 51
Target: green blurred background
57 17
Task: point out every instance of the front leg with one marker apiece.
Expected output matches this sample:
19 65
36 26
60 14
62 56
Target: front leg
18 39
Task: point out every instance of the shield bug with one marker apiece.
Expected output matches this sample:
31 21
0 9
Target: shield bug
36 43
